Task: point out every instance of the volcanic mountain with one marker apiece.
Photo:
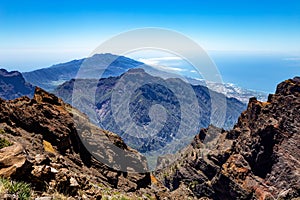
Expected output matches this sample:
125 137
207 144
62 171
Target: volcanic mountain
99 65
94 97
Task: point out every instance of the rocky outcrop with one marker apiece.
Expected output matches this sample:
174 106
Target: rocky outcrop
13 85
258 159
49 152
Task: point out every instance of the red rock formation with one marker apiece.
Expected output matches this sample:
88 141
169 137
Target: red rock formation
258 159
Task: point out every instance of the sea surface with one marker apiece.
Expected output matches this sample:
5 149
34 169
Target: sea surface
259 71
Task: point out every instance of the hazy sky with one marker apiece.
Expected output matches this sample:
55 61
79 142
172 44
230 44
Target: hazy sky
36 34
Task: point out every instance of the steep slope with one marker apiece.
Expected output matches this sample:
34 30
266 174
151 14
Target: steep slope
13 85
46 149
258 159
154 93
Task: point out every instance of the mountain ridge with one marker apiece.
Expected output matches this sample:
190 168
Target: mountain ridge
257 159
155 92
13 85
55 75
107 64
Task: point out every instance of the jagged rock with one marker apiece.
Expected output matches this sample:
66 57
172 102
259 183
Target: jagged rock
258 159
73 182
39 158
47 148
126 185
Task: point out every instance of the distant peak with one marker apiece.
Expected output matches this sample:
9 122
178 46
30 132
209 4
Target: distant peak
4 72
104 54
136 70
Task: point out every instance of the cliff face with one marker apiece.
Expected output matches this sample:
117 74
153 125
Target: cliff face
13 85
44 149
258 159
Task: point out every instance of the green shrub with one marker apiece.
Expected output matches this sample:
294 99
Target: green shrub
21 189
148 196
4 143
4 182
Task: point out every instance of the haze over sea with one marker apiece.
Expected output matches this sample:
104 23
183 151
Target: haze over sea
260 71
257 71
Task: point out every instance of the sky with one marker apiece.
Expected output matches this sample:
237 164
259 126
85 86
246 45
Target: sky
36 34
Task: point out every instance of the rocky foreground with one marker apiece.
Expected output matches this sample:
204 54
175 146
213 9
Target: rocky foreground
258 159
43 148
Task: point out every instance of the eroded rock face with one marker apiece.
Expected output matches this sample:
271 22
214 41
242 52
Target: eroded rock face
13 85
49 152
258 159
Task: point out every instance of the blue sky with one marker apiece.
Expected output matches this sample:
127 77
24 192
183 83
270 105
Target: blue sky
35 34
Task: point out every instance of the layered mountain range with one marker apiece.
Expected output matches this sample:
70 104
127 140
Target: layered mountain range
109 65
141 103
257 159
95 99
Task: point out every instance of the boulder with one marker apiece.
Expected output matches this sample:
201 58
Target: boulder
12 158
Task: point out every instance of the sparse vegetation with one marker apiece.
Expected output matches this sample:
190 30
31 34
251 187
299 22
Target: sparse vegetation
193 184
21 189
148 196
4 143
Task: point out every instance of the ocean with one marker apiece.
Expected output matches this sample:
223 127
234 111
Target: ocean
257 71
